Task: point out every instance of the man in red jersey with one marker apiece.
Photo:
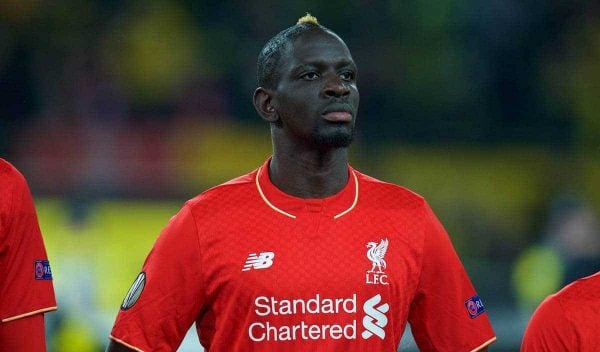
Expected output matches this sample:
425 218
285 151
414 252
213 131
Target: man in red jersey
26 291
305 253
568 320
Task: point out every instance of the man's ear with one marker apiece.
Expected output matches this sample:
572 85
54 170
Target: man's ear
262 103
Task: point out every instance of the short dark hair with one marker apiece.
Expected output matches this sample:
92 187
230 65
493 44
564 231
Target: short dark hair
268 59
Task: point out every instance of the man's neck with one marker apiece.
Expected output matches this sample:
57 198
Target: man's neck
314 174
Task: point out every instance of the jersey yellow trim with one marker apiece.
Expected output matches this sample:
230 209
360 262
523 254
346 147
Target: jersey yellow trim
355 198
24 315
125 344
484 344
266 200
262 195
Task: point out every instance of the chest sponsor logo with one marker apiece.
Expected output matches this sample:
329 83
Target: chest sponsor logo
337 312
376 253
375 319
262 260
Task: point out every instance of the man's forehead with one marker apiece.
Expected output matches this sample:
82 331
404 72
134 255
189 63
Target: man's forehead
317 46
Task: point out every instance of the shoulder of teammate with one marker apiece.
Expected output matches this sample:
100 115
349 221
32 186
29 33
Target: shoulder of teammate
575 289
555 324
548 329
11 177
5 166
16 196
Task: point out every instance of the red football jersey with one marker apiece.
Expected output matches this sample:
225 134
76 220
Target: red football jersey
568 320
260 270
26 284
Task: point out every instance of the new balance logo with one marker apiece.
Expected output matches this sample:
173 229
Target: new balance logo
261 261
375 319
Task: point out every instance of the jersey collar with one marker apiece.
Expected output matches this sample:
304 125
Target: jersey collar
335 206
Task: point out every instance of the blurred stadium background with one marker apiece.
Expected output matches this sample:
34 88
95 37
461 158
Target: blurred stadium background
117 112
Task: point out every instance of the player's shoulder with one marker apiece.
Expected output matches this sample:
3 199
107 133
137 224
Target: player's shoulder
566 302
10 175
388 193
233 189
581 289
12 186
7 169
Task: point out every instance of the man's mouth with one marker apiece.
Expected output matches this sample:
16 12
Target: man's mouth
338 116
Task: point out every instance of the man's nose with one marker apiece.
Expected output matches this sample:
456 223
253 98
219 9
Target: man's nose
335 87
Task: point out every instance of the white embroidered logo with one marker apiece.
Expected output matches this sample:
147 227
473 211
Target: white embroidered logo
261 261
375 254
375 319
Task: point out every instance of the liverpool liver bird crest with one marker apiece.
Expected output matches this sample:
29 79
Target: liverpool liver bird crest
375 253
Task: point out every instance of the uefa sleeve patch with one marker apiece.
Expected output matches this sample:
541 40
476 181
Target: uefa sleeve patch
134 292
41 270
474 306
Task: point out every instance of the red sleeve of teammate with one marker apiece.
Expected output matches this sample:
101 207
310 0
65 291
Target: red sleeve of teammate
446 313
167 296
549 330
26 285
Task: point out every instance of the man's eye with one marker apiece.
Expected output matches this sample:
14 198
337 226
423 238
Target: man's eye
310 76
347 76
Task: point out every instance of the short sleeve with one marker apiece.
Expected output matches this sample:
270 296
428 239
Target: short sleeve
26 285
549 329
446 314
167 296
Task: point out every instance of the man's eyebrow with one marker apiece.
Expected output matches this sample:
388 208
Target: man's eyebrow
317 64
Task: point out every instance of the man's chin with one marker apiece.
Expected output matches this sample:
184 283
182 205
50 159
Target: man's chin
335 140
